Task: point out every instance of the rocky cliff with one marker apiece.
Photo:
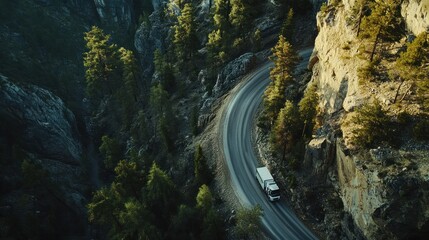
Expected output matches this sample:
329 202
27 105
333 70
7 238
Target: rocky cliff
384 189
42 175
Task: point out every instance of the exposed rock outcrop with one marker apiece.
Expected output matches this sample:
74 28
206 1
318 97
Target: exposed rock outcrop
41 120
118 12
50 190
232 72
150 36
384 191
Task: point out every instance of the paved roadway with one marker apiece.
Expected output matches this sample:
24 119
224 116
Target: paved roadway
278 219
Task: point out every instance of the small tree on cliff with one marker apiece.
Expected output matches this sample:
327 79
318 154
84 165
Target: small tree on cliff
383 24
372 125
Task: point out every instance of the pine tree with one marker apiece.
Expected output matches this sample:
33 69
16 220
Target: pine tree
161 196
215 47
202 172
129 72
257 40
130 179
159 100
111 150
165 71
285 60
134 217
287 26
308 109
385 23
221 15
413 65
185 39
100 62
286 128
104 209
240 16
127 95
372 125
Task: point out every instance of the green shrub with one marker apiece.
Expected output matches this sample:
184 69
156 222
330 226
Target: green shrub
373 126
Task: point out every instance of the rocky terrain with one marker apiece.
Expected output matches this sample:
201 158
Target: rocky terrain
383 190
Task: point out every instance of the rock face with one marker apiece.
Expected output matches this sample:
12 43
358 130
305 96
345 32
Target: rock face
335 74
232 72
44 124
416 15
385 201
149 37
384 191
118 12
52 191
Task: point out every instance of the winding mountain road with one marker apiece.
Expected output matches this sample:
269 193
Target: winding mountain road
278 219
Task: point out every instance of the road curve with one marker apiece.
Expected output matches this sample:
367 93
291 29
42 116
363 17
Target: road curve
278 219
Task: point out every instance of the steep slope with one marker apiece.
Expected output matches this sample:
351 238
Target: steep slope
384 188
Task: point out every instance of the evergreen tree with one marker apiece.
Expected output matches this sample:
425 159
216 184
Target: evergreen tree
129 73
167 132
215 47
165 71
159 100
413 65
213 228
185 40
417 53
385 23
202 172
285 60
286 128
129 178
100 62
221 15
161 196
104 209
111 150
287 26
129 91
372 126
257 40
308 109
240 16
134 217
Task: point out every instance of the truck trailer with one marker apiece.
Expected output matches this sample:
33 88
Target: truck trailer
267 183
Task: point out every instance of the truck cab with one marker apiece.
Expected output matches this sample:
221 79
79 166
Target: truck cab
267 183
273 192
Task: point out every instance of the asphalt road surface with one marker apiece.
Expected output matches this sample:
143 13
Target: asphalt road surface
279 221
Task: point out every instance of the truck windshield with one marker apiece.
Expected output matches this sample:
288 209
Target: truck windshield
275 193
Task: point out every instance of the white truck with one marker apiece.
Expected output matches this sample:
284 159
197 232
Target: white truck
267 183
